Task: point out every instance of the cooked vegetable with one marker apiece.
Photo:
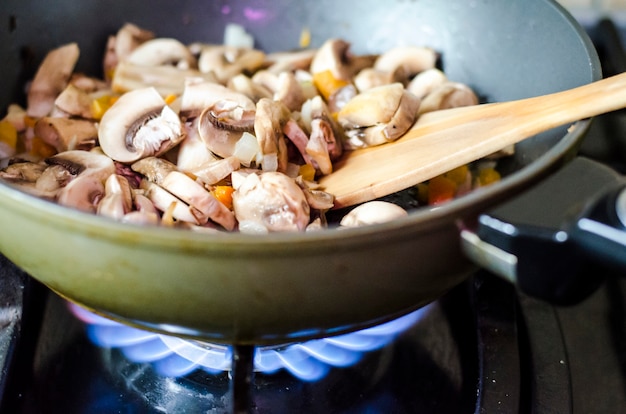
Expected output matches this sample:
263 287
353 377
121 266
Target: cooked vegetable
220 136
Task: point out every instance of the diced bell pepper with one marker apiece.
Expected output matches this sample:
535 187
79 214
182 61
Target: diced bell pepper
8 139
327 84
41 149
101 104
487 176
224 194
441 189
307 171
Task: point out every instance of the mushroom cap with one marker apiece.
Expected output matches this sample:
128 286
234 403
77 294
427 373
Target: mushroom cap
332 56
406 61
227 61
271 200
91 170
200 95
372 107
426 82
372 212
163 51
139 124
448 95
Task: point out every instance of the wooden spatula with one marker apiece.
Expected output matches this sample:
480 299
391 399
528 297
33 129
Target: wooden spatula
443 140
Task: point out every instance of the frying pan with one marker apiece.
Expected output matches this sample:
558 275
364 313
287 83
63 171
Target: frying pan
281 287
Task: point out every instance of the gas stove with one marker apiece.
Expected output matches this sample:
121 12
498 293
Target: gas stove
483 347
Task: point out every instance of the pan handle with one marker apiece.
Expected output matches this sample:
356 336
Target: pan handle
557 240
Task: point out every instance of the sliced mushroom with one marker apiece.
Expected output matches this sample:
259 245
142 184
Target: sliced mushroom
426 82
270 118
289 91
67 133
144 213
223 122
118 199
372 212
243 84
448 95
77 162
91 170
317 147
139 124
290 61
284 87
74 102
214 172
122 44
163 200
200 95
24 175
230 115
380 115
298 137
218 140
335 56
192 151
142 218
167 80
270 202
163 51
52 180
227 61
129 37
403 118
372 107
51 78
404 62
325 140
331 130
82 193
319 200
154 169
88 84
369 78
195 195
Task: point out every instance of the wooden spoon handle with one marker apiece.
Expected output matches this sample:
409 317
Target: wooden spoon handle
443 140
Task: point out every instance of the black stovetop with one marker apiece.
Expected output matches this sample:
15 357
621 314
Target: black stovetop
481 348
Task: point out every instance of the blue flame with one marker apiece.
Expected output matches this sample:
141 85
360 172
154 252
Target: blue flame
308 361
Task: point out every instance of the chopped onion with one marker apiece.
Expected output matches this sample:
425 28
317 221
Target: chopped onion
246 149
236 35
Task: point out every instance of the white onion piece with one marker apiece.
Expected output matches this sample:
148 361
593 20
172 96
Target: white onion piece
247 149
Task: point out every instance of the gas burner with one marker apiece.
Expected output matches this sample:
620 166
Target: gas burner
167 373
308 361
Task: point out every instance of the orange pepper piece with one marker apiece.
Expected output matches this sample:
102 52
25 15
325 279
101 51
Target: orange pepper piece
42 149
488 176
224 194
8 134
458 175
170 98
327 84
441 189
307 171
